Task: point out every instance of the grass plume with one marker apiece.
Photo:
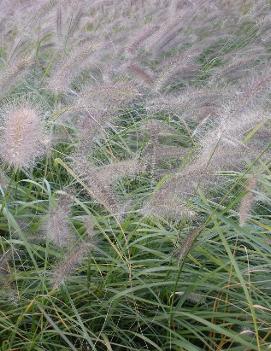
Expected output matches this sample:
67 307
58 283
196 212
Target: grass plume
57 225
73 259
23 136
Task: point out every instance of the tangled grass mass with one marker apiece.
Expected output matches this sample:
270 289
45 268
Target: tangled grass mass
135 175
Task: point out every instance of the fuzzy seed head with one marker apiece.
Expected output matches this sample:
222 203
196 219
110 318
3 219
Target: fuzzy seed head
57 227
23 138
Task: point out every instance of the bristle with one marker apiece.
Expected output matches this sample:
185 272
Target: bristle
194 298
247 201
95 186
4 262
89 225
164 204
114 171
13 73
57 227
3 180
184 66
70 263
141 37
155 127
140 73
188 243
158 153
105 97
67 68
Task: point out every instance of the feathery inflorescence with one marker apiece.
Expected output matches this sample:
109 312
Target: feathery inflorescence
222 148
247 201
23 136
188 243
164 204
100 180
4 262
75 255
7 291
95 186
12 73
57 226
112 172
74 258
